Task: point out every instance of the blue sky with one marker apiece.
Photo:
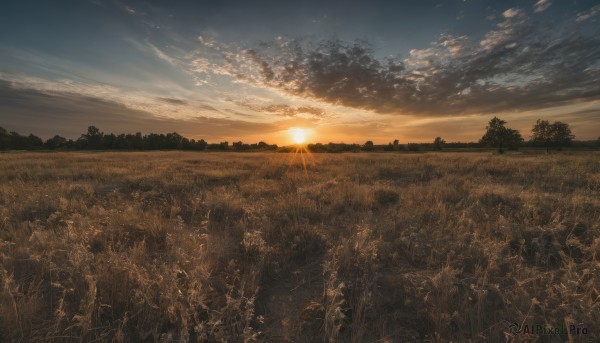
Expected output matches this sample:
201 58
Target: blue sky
345 70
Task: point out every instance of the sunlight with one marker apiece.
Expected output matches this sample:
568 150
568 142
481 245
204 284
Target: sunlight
298 135
300 154
304 157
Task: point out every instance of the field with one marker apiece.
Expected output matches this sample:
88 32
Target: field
234 247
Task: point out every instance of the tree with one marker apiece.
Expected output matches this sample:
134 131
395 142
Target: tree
498 135
173 141
34 142
55 142
92 139
413 147
561 134
541 133
16 141
201 144
438 142
109 141
556 134
238 145
369 146
4 139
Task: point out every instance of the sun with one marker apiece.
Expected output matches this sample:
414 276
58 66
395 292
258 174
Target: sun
299 153
298 135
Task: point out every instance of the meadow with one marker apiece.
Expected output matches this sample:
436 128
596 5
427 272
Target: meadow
251 247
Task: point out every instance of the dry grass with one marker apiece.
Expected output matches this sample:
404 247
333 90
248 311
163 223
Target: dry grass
197 247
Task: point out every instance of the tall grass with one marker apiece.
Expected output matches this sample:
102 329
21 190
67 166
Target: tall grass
202 247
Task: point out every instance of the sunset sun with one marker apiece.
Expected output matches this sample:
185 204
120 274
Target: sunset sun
298 135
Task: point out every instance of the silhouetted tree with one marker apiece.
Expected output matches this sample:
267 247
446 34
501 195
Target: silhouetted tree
238 146
55 142
556 134
368 146
137 140
109 141
413 147
16 141
4 139
92 139
201 144
318 147
438 142
34 142
187 144
173 141
218 146
562 134
396 142
498 135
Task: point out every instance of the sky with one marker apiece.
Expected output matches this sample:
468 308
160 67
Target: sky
345 71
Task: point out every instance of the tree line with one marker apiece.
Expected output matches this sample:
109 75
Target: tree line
544 134
549 135
94 139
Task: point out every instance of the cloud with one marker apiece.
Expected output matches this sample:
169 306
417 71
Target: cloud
454 44
161 55
513 12
69 114
514 28
518 65
149 48
281 110
127 9
585 15
97 2
311 110
293 111
541 6
159 106
173 101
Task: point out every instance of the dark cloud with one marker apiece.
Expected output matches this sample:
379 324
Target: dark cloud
68 114
311 110
292 111
519 65
173 101
282 110
180 102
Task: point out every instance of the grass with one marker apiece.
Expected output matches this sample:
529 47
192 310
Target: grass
212 247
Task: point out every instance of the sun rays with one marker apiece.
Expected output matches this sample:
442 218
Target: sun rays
300 155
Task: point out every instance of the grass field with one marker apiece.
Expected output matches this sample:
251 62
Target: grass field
225 247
